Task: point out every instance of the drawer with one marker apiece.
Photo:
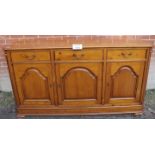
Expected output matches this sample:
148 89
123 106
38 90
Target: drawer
33 55
86 54
116 54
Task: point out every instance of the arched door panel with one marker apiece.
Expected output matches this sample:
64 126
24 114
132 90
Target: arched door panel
80 84
33 83
75 88
123 83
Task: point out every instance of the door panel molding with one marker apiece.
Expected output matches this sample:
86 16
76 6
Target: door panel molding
40 79
79 84
84 73
123 83
34 83
117 83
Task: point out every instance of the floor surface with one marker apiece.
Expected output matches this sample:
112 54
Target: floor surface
7 110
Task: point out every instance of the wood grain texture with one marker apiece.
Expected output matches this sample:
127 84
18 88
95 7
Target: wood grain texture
34 83
75 88
86 54
79 83
126 53
91 81
30 55
12 77
80 110
49 44
124 83
124 80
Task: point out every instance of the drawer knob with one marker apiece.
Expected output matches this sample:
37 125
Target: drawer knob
126 55
29 57
74 55
77 56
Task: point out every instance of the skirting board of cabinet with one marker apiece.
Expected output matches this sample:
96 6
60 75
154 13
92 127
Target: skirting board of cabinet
136 109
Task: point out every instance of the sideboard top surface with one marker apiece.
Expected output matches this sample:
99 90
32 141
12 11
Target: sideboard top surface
63 44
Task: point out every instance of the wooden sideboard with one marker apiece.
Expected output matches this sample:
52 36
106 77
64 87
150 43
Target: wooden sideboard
91 81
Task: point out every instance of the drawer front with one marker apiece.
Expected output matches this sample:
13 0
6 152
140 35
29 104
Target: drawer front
115 54
86 54
35 55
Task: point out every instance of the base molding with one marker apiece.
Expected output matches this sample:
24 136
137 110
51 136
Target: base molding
136 109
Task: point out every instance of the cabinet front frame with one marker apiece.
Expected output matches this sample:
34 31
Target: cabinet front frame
19 95
82 102
141 87
53 63
124 100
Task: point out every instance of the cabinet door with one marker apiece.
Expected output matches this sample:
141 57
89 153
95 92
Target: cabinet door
33 83
123 83
79 84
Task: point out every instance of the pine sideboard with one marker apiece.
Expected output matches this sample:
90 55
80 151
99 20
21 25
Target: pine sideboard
95 80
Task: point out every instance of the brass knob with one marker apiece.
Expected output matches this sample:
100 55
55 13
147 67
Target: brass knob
74 55
31 57
129 54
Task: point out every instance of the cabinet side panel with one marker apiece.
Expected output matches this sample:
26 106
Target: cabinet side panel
146 71
12 76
